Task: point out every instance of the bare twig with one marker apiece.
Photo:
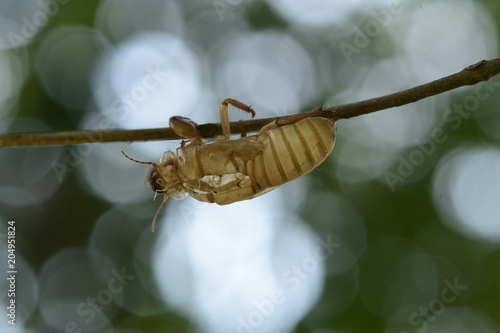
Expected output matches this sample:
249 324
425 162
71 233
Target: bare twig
471 75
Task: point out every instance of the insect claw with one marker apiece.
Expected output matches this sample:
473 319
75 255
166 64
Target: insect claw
224 117
239 105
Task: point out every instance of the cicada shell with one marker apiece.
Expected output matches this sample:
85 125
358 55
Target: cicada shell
225 171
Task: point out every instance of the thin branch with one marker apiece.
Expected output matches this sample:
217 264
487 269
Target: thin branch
481 71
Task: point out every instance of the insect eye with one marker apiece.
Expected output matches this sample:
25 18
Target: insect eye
152 178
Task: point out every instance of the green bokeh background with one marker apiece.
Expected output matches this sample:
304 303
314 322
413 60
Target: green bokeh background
398 223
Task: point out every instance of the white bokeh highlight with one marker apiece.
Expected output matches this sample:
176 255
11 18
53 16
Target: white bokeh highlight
239 267
439 29
465 191
271 71
119 19
370 145
69 302
147 79
318 13
14 69
37 180
21 21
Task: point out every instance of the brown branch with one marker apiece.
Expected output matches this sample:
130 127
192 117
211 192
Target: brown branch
482 71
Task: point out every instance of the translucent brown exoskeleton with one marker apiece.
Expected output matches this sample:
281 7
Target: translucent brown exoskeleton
224 171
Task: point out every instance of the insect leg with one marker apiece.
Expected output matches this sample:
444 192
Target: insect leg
218 184
198 185
165 197
224 117
186 128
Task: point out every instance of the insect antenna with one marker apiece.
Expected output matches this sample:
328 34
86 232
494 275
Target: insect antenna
165 197
137 161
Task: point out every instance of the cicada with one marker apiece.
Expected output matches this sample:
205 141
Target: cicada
228 170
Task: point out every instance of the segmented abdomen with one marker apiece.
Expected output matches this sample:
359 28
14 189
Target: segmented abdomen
291 151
